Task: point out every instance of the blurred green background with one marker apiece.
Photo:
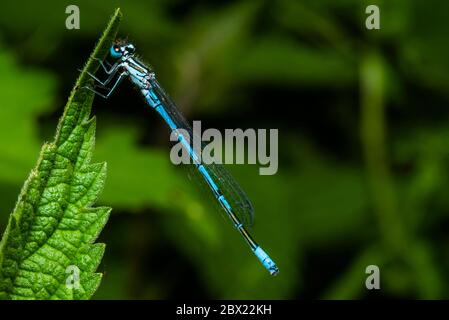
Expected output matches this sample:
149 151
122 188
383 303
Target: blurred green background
363 141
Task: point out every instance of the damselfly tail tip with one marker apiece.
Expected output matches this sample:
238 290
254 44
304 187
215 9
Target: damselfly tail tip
274 271
266 261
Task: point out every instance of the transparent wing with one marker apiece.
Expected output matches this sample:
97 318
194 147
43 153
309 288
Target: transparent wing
228 186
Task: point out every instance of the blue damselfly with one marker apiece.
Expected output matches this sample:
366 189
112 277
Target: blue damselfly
225 189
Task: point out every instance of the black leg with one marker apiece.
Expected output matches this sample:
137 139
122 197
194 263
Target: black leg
119 79
95 91
110 77
111 90
104 67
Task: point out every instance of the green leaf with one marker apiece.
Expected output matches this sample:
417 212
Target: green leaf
53 225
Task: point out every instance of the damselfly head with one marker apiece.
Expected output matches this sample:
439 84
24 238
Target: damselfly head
119 50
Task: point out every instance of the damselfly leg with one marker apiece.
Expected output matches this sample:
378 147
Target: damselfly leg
102 64
111 73
103 84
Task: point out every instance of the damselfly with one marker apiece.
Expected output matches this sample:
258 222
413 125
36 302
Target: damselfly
225 189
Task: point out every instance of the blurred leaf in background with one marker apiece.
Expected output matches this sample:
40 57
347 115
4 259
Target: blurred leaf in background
18 125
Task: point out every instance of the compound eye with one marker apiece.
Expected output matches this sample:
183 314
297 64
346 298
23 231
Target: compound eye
116 51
